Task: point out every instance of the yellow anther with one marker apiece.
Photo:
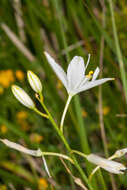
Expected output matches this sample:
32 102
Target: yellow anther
89 74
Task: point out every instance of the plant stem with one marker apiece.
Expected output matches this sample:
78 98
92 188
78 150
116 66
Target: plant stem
40 113
64 112
58 155
67 146
79 153
118 50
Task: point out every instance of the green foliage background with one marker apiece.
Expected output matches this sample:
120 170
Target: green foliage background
64 29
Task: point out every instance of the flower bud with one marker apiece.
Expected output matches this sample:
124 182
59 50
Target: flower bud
22 96
120 153
108 165
21 148
34 81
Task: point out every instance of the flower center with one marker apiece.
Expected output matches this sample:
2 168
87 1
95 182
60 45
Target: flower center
89 74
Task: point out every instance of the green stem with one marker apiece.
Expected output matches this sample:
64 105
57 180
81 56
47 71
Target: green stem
64 112
118 50
40 113
66 145
79 153
58 155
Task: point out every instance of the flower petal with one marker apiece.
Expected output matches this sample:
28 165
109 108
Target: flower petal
21 148
46 166
57 69
75 72
108 165
92 84
96 73
88 60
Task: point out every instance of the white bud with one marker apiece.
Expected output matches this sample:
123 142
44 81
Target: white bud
21 148
34 81
22 96
108 165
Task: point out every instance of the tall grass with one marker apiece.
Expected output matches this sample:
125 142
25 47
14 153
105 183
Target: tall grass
63 28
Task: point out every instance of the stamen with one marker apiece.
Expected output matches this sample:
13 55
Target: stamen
89 74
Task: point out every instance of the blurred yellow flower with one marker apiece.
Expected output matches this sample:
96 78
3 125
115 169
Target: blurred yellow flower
59 84
42 184
3 187
21 115
35 137
106 110
19 75
84 113
3 129
6 78
1 90
21 119
25 126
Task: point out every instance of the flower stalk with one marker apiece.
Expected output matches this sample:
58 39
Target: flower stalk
79 153
40 113
59 132
58 155
64 112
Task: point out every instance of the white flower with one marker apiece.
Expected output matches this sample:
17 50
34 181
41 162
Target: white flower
75 80
34 81
108 165
22 96
120 152
21 148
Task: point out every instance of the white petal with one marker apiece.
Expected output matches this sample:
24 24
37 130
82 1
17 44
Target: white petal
34 81
120 152
21 148
96 73
92 84
110 166
46 166
57 69
84 81
115 170
75 72
88 60
22 96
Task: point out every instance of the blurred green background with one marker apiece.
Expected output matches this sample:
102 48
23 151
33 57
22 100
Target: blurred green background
64 28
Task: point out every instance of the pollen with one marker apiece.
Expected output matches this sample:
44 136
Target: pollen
89 74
